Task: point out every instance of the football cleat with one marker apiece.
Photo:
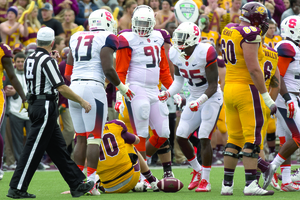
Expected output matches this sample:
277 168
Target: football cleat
154 185
204 186
296 177
168 174
1 174
274 182
268 175
94 191
254 189
140 187
195 179
146 182
226 190
288 187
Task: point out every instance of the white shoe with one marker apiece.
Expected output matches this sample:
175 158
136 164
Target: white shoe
154 186
226 190
288 187
44 165
268 175
296 177
140 187
274 182
254 189
94 191
271 156
1 174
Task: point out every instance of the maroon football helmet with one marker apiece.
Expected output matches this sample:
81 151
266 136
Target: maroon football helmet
64 53
254 13
30 48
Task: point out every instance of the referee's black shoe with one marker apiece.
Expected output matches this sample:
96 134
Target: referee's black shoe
82 189
18 194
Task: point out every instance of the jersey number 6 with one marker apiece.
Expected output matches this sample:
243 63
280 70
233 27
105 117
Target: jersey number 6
229 55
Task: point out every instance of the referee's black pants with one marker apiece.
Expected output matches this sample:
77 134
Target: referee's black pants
45 135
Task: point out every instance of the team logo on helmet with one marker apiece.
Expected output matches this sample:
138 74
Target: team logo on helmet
187 10
260 10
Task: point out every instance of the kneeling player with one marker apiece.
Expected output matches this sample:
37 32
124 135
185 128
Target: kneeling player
119 163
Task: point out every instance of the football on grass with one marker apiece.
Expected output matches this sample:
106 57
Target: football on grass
170 185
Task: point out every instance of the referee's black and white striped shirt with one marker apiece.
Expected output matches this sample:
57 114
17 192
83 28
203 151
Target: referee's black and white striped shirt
42 73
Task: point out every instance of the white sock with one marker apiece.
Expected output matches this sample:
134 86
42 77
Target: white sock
195 164
286 173
206 173
91 177
278 160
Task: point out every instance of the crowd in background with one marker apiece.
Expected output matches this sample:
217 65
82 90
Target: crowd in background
66 17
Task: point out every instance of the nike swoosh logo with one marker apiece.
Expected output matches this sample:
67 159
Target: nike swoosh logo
194 65
219 98
155 40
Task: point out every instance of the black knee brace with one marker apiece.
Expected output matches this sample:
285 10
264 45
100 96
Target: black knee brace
162 150
255 149
271 137
233 146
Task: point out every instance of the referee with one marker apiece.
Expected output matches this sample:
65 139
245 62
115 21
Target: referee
43 81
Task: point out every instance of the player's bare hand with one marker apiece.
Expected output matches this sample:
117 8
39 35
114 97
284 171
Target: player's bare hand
86 106
273 109
9 90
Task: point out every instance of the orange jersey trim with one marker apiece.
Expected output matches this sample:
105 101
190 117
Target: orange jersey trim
283 64
165 75
210 63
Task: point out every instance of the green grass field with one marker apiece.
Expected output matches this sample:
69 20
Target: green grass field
49 184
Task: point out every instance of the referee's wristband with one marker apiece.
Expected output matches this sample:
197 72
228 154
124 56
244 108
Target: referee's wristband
286 97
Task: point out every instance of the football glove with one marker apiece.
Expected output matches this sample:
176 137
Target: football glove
24 105
291 111
194 105
177 99
125 91
164 96
119 106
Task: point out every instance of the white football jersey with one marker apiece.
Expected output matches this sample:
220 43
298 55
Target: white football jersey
193 68
291 78
145 57
86 47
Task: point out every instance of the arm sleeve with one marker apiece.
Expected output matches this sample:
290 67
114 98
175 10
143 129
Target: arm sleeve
165 75
176 85
211 56
123 58
52 73
283 64
129 138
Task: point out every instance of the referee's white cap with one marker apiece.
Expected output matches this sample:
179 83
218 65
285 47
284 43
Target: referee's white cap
45 34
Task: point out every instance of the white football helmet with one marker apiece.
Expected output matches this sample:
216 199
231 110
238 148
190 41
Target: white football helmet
290 27
143 20
102 19
187 34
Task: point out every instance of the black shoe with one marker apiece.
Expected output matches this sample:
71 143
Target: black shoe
18 194
82 189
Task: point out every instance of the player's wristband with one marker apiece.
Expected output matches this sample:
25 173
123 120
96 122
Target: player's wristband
286 97
121 87
202 99
268 100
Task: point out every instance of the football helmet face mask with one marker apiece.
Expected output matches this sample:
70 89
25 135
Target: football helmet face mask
102 19
143 21
187 34
290 27
254 13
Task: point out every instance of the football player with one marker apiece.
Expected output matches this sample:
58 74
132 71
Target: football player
196 62
288 118
244 93
92 57
164 152
120 165
141 60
